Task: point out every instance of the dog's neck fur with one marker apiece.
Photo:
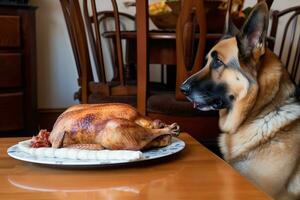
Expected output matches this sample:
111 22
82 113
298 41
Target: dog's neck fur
251 116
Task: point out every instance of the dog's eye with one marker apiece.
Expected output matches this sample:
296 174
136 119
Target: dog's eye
217 63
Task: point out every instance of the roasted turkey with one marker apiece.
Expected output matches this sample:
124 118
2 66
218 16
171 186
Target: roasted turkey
112 126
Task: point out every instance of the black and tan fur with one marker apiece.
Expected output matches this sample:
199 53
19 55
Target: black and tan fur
258 107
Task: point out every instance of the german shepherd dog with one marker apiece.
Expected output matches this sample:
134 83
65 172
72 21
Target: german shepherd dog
258 106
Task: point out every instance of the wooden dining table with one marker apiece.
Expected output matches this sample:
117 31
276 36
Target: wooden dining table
162 45
194 173
161 49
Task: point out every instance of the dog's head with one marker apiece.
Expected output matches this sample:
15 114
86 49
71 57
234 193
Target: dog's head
231 66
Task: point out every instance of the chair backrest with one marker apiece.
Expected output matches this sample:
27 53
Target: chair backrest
87 27
94 19
76 30
289 44
189 51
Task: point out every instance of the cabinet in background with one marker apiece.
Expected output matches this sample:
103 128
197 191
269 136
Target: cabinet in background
18 95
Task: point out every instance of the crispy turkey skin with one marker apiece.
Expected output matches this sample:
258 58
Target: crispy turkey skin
112 126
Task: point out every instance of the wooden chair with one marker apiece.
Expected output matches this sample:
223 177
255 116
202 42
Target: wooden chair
90 91
289 46
173 106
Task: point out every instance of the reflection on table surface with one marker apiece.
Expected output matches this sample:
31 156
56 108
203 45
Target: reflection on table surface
195 173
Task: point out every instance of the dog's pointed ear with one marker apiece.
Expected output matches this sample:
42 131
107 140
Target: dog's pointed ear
254 30
231 29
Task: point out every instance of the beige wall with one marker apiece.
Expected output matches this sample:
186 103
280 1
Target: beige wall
56 66
55 61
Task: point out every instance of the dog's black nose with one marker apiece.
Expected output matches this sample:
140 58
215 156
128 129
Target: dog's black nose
185 89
